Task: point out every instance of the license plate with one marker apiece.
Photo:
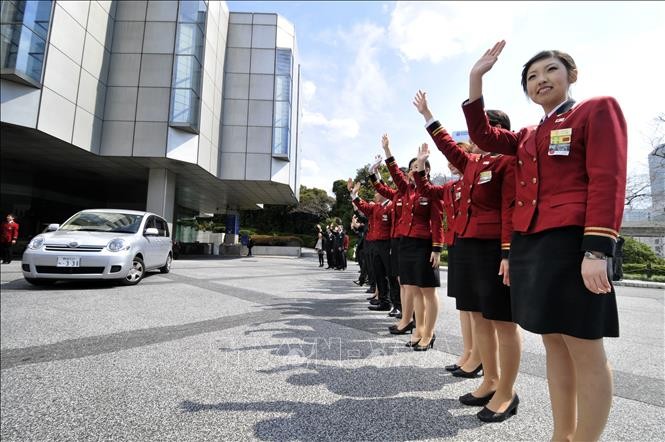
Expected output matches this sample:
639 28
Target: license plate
68 261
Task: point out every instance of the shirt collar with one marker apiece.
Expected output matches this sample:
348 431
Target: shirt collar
562 107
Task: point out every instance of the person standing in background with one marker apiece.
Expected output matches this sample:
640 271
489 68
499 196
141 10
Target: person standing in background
9 235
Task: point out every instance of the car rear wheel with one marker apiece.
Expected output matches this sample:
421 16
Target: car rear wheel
136 273
167 265
39 281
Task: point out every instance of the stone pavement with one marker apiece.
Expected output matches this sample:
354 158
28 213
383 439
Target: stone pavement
270 348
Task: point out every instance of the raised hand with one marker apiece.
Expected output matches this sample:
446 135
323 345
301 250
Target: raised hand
423 153
375 165
485 63
420 102
356 188
349 184
385 143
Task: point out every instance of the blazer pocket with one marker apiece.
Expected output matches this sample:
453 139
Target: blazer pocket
568 198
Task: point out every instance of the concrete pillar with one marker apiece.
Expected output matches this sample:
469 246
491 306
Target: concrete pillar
161 194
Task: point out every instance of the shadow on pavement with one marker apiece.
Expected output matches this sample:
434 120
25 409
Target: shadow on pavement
393 419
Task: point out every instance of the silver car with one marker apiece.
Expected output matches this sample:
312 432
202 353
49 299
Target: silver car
100 244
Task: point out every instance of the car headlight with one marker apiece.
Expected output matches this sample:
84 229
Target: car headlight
36 242
117 245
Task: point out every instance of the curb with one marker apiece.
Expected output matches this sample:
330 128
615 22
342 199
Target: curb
640 284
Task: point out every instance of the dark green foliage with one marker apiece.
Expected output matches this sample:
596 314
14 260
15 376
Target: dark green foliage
313 209
635 252
274 240
645 269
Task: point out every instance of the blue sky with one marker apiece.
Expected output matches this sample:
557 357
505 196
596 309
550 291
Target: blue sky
362 63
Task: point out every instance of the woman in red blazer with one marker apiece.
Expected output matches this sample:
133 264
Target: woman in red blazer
421 231
483 230
570 187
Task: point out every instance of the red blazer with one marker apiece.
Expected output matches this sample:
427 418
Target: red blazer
488 190
8 232
584 188
451 195
422 216
395 197
379 218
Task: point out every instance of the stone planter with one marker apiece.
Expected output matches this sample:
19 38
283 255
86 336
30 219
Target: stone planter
277 251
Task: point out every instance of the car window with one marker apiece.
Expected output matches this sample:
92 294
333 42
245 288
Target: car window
150 223
104 222
162 227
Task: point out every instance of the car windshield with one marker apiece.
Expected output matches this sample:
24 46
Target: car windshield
104 222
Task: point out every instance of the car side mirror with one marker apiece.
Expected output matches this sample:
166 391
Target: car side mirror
52 227
151 231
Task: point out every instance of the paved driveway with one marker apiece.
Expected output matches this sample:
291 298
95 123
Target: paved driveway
269 348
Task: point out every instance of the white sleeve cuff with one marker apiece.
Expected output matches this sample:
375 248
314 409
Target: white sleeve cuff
430 121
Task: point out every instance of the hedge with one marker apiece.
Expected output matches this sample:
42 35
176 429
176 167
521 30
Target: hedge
656 269
274 240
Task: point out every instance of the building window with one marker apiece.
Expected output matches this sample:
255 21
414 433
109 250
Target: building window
282 115
188 66
24 29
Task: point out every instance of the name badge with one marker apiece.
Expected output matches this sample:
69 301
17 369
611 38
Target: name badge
485 177
560 142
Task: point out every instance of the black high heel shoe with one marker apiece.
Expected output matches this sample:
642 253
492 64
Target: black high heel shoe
487 415
473 401
460 373
408 329
419 347
412 344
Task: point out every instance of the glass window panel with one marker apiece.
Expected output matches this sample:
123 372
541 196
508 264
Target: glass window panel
282 88
10 37
282 114
190 40
185 107
187 73
22 50
37 15
284 59
280 141
12 12
192 11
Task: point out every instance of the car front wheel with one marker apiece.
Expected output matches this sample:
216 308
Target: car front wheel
136 273
167 265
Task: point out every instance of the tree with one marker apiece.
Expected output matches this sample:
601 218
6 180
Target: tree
342 208
314 208
314 202
638 188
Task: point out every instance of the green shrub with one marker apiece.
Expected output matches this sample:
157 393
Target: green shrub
444 257
641 269
274 240
635 252
641 277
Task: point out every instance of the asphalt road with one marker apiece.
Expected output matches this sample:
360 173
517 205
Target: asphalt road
269 348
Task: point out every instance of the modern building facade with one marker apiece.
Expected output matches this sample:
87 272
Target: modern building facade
657 179
176 107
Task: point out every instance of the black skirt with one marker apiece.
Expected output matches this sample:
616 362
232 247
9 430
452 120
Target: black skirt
548 292
394 257
414 266
451 289
476 281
